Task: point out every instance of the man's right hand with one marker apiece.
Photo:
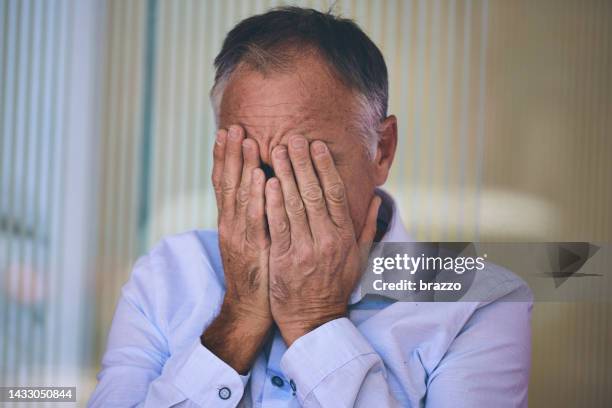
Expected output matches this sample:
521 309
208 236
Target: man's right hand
241 327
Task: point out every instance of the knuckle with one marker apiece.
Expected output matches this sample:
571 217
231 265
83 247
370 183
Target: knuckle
328 251
251 233
234 149
313 194
324 163
253 214
284 170
300 161
227 187
295 204
217 189
217 152
336 193
242 196
215 180
281 227
306 255
252 224
328 245
280 246
327 242
327 162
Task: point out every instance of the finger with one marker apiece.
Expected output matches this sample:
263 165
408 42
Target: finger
218 162
294 207
250 161
232 170
368 231
333 187
278 222
308 184
256 223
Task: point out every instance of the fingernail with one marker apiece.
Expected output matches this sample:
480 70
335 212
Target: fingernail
319 147
246 144
220 137
280 152
234 133
274 184
298 142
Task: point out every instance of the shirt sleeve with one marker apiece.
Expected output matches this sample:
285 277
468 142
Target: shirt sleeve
488 363
139 370
335 366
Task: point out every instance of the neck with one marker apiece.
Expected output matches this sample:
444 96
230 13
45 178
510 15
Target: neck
383 220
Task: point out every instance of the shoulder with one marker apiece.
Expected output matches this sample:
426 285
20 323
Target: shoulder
496 284
495 310
180 273
491 345
186 252
493 289
497 296
499 322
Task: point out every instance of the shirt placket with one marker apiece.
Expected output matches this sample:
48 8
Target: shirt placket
277 391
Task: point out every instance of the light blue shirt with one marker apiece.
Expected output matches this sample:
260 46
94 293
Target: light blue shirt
384 354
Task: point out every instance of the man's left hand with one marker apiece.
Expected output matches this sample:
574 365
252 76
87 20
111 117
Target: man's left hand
315 257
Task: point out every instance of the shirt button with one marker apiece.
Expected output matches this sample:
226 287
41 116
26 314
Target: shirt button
292 385
225 393
276 380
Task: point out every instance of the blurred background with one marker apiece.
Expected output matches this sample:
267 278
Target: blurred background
505 118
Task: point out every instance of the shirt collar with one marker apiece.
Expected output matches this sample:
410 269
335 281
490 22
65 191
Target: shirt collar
396 232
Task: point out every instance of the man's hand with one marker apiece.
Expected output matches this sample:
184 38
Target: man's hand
245 318
315 258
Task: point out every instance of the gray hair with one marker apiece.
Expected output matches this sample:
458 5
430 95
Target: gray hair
269 41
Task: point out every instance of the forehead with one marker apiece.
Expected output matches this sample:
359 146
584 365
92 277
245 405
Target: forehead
305 99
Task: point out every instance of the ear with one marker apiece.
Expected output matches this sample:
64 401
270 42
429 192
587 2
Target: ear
385 150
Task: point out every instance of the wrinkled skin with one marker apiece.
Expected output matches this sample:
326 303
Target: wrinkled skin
292 245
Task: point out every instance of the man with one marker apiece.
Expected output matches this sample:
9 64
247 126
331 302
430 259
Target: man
269 312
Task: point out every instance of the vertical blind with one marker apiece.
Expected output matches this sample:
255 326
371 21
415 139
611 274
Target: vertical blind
48 104
33 92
